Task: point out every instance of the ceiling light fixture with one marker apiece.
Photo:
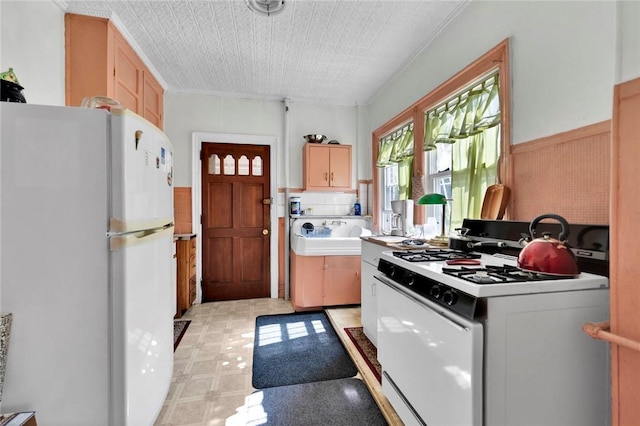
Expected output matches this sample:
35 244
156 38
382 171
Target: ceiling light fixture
265 7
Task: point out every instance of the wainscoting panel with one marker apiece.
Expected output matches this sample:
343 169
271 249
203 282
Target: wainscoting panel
182 209
566 174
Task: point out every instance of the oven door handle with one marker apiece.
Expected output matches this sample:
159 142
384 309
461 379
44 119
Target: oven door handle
427 304
404 399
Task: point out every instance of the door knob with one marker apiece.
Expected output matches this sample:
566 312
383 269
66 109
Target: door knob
265 232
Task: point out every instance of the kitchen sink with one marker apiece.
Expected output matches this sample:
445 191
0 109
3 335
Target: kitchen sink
332 246
328 236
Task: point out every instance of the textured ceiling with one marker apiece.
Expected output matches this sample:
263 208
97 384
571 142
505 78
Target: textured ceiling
321 51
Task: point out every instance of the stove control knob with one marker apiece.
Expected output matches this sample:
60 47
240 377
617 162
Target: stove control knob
392 271
450 297
409 279
435 292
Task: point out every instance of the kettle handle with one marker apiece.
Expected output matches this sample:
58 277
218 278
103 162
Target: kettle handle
564 233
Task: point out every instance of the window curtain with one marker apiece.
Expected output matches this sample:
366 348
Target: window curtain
469 121
398 149
477 157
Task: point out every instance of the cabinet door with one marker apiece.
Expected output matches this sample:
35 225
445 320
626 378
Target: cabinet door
183 276
371 253
186 274
316 162
307 275
192 291
342 280
152 99
174 274
192 271
368 306
88 66
128 75
340 167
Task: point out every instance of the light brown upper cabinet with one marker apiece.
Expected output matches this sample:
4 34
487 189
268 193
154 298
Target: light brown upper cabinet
327 167
100 62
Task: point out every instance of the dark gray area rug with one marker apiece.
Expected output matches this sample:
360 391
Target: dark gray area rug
333 402
179 328
298 348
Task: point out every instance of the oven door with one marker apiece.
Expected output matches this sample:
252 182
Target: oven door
431 359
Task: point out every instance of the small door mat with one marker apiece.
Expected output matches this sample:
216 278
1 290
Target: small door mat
333 402
179 328
298 348
366 349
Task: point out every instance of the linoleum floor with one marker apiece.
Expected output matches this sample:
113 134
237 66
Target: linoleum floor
212 364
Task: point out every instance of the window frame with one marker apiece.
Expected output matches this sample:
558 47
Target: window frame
496 59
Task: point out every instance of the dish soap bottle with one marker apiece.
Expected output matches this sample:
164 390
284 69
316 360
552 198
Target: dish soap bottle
356 208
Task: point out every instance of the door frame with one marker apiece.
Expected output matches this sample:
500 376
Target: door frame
198 138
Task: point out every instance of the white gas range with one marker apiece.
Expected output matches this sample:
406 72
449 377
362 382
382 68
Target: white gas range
486 344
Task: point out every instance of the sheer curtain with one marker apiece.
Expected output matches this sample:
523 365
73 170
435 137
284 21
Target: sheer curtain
469 121
398 149
479 153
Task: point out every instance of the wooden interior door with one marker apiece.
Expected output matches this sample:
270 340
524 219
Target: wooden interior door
624 252
235 222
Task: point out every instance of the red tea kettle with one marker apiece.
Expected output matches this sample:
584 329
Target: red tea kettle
547 255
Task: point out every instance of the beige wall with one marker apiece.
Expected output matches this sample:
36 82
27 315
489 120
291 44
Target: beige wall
575 56
563 56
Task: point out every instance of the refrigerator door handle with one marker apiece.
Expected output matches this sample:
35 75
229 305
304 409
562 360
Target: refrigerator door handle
119 226
119 241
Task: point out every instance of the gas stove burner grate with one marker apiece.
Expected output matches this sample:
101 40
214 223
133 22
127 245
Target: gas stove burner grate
492 274
434 255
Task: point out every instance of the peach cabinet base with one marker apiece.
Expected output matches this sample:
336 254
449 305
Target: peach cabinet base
318 281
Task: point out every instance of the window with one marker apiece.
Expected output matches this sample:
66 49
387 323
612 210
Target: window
438 179
451 164
462 148
395 168
390 191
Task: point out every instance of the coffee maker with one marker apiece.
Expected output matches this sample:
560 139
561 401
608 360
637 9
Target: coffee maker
402 219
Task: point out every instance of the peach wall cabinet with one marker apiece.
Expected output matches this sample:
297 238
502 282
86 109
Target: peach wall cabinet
326 167
100 62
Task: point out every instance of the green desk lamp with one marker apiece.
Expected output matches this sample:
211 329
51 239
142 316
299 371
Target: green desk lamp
441 240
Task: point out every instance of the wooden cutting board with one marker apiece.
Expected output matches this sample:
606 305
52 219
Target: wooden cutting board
495 202
387 240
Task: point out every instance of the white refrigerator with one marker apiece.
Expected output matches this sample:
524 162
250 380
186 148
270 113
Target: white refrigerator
86 215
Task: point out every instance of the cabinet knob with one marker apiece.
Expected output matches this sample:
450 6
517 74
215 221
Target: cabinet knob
326 176
331 176
265 232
